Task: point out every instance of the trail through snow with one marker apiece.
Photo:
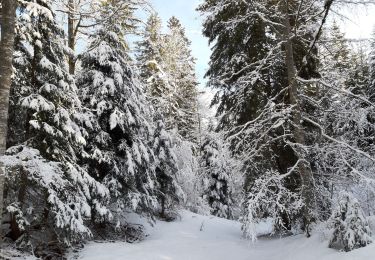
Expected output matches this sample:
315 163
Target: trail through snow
196 237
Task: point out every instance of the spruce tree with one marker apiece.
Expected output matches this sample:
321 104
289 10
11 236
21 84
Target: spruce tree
161 58
8 24
158 83
218 169
255 77
350 227
168 70
335 55
119 133
180 67
372 69
169 192
346 114
149 49
55 195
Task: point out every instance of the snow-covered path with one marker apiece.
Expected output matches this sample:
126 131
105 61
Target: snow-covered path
219 239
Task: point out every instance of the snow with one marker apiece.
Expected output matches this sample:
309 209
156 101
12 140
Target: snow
196 237
37 103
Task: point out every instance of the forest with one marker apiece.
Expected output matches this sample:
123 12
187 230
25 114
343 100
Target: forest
110 148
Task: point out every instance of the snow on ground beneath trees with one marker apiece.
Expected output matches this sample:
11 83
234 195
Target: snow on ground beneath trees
196 237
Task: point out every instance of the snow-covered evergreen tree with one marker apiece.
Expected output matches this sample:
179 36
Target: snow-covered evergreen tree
159 84
169 191
350 227
55 196
167 71
119 130
161 94
218 169
189 176
346 116
180 67
257 98
335 55
372 68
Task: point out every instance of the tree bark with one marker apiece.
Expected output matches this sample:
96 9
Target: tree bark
8 23
71 36
298 131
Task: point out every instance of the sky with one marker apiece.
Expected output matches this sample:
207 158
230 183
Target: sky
185 11
358 23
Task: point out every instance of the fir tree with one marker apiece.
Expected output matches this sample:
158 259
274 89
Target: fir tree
149 49
338 48
346 115
335 56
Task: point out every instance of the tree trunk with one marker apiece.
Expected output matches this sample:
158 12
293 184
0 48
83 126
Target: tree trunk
8 23
298 132
71 36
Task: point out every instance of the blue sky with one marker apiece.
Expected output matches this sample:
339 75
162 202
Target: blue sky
357 24
184 10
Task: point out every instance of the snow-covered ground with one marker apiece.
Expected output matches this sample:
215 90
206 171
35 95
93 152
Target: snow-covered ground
196 237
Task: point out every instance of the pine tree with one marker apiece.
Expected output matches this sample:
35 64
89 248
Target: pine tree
167 68
149 49
358 75
120 152
55 194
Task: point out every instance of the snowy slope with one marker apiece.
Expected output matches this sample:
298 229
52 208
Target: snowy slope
197 237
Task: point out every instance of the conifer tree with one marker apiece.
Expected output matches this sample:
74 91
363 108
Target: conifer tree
161 58
120 152
167 68
372 69
350 227
218 169
149 49
335 55
8 24
358 75
55 194
255 73
152 62
170 194
180 67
